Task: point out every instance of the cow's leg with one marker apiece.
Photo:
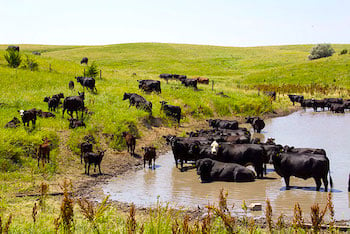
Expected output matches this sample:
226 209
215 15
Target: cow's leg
318 183
63 112
89 168
85 166
48 156
38 159
99 168
286 180
325 182
144 163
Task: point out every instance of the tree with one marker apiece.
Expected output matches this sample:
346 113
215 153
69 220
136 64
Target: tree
30 63
321 51
92 70
13 58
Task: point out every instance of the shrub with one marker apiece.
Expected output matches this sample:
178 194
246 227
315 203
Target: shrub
321 51
13 58
92 70
30 63
344 51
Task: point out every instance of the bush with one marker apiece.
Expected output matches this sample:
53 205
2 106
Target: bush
344 51
30 63
321 51
92 70
13 58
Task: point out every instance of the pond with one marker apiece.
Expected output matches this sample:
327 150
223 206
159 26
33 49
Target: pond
301 129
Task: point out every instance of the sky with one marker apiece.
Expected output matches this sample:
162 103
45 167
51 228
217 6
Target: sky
207 22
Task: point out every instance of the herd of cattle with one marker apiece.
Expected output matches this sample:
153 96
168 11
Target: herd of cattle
336 105
220 153
223 152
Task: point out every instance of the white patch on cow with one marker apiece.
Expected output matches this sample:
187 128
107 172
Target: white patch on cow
21 112
214 147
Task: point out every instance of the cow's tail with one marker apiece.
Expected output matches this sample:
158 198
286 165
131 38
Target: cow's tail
330 179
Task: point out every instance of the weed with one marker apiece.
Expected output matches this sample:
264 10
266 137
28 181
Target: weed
317 216
298 220
66 218
131 221
268 215
34 212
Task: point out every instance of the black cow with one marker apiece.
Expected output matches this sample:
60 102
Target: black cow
170 110
288 149
330 101
303 166
88 82
150 85
318 104
138 101
211 170
14 123
84 148
36 53
223 124
12 47
190 82
337 108
242 154
306 103
28 115
271 94
296 98
166 76
257 123
84 60
74 103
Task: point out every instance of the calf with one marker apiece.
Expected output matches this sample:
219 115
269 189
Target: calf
84 60
138 101
88 82
28 115
169 110
130 142
93 158
75 123
257 123
84 148
52 103
14 123
46 114
44 151
71 84
150 155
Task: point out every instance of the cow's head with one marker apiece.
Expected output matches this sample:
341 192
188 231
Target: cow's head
214 147
126 96
21 112
204 167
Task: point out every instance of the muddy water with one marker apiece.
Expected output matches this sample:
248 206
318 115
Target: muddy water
300 129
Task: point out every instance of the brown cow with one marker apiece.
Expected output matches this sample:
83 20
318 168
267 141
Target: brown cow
130 142
44 151
202 80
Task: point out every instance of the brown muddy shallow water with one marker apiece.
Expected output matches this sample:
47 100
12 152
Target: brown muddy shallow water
300 129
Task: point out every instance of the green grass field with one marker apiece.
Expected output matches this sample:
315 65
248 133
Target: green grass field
236 71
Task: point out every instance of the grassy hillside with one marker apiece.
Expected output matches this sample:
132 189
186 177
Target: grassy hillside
235 71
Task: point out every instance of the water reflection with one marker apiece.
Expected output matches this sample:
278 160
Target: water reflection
300 129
